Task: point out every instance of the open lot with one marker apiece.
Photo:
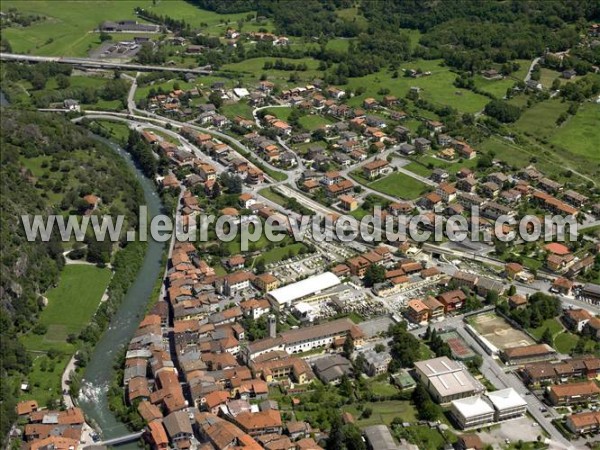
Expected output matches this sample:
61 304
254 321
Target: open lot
499 332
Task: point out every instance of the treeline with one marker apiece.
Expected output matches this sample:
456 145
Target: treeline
142 154
174 25
230 6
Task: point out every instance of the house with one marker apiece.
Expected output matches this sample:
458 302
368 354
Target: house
562 285
452 300
422 144
446 191
266 282
574 393
259 423
436 308
370 103
584 423
407 149
390 100
469 442
374 168
376 363
348 203
517 301
576 319
568 74
156 435
431 200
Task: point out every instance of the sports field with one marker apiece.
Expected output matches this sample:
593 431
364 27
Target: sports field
499 332
460 349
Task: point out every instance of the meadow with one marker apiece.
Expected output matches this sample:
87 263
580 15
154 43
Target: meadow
580 134
437 88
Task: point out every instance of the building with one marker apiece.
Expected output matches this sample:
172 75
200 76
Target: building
472 412
305 338
527 354
469 442
576 319
376 363
378 437
348 203
436 308
446 380
417 311
266 282
284 297
584 423
374 168
507 404
452 300
561 372
573 393
331 369
178 426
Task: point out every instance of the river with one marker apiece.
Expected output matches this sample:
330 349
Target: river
99 371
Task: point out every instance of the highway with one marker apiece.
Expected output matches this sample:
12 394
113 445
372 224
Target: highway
100 64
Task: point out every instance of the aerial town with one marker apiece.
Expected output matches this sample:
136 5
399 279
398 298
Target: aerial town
299 344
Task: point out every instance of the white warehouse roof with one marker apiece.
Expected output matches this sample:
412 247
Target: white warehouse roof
472 406
300 289
506 399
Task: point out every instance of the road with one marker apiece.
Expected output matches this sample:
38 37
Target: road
531 66
99 64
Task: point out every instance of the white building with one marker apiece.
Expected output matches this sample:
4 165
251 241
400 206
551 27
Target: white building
285 296
507 403
472 412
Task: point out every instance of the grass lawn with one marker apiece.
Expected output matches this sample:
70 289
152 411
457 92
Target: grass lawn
495 87
553 324
281 113
119 131
400 185
71 304
580 134
280 253
419 169
312 121
250 70
384 412
383 388
425 437
167 86
241 109
565 342
270 194
338 44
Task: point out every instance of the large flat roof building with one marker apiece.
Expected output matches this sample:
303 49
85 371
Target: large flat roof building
447 380
507 404
285 296
472 411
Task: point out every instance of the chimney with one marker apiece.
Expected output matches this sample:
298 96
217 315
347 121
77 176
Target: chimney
272 326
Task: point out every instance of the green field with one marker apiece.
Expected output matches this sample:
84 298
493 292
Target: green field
553 325
495 87
71 304
241 109
312 121
281 113
580 134
384 412
250 71
400 185
68 27
437 88
540 119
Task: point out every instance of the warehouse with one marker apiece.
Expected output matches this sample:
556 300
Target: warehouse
285 296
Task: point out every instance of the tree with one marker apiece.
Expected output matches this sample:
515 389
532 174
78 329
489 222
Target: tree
379 348
104 36
374 274
335 441
547 337
502 111
348 346
215 99
512 290
62 81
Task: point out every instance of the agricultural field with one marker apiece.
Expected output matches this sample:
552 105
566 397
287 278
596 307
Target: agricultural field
495 87
250 71
540 119
312 121
400 185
